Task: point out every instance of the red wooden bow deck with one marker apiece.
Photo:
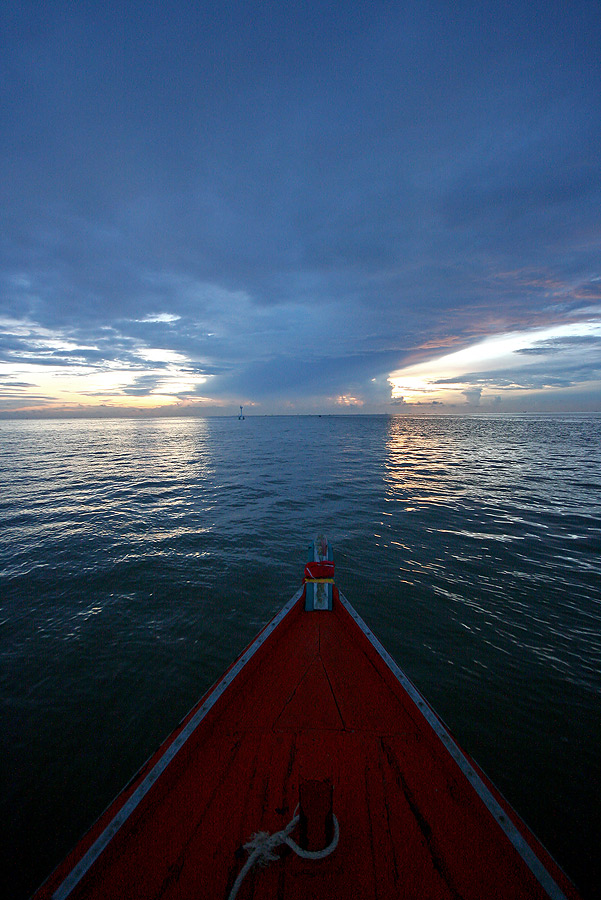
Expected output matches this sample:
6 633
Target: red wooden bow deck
314 705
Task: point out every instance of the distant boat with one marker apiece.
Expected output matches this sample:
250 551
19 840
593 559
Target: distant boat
312 768
240 416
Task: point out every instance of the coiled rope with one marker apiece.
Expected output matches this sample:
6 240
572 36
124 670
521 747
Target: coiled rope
261 847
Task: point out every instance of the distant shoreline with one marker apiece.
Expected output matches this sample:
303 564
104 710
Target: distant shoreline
136 415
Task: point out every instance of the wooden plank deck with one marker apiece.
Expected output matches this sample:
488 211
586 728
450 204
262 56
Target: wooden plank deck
314 701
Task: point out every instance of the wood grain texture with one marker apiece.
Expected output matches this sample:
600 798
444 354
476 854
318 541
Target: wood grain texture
315 703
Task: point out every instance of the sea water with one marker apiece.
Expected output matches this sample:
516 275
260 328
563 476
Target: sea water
139 556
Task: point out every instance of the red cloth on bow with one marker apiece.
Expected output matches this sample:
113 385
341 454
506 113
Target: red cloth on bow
319 570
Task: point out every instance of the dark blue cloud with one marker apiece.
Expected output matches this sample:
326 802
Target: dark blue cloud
391 177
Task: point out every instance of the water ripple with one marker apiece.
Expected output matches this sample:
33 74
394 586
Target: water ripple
145 553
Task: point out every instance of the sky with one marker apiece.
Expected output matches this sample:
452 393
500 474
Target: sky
300 207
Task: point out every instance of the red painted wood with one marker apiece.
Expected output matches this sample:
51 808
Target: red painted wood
312 705
316 703
316 823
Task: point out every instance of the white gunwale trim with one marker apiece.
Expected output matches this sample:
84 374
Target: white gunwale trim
89 858
494 807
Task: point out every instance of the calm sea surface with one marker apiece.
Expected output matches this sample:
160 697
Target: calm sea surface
138 557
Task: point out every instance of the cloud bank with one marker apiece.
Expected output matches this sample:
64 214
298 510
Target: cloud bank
286 208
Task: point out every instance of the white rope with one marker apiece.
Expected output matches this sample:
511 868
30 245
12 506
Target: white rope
262 845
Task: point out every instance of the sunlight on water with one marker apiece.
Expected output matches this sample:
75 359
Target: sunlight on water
140 556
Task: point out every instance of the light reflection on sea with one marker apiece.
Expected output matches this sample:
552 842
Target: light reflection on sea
139 556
